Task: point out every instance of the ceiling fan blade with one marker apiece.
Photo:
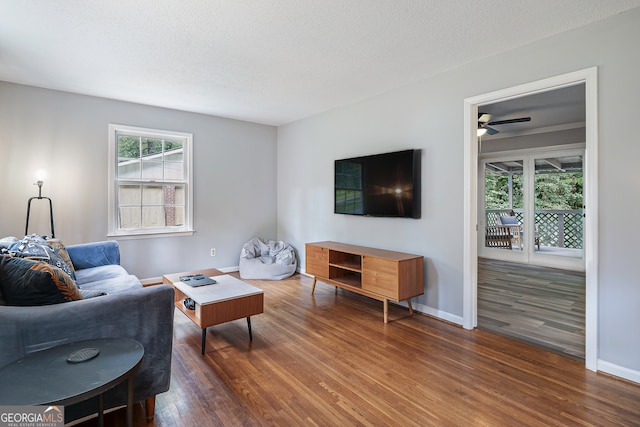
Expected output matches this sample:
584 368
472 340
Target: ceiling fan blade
491 131
504 122
484 117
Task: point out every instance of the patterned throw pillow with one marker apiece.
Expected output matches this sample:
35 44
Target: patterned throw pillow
36 247
62 251
27 282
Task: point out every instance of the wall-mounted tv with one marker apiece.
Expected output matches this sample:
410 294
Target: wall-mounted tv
386 185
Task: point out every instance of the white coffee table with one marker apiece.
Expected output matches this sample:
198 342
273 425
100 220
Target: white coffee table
227 300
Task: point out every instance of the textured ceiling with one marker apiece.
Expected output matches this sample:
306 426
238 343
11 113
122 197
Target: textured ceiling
266 61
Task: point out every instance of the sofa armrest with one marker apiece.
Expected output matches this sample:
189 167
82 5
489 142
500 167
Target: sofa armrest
145 315
95 254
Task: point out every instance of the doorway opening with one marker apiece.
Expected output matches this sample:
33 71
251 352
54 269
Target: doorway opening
475 232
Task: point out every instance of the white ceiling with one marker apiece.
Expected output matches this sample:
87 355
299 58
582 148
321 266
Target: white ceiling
558 109
265 61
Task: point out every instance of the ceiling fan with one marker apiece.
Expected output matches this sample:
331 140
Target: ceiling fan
484 121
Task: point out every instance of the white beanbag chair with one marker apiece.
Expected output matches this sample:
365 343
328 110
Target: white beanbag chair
267 260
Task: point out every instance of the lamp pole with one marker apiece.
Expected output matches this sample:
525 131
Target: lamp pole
39 197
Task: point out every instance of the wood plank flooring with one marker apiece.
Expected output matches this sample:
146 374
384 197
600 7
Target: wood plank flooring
538 305
329 360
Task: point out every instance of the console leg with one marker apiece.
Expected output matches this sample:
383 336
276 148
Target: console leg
249 326
410 308
204 338
313 287
385 303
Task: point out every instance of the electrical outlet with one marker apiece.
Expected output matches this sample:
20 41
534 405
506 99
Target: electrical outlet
213 251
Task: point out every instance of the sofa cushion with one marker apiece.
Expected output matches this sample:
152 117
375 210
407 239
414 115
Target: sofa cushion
5 242
92 293
27 282
93 274
114 285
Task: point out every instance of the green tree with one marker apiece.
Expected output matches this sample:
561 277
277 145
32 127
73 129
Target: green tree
497 190
558 191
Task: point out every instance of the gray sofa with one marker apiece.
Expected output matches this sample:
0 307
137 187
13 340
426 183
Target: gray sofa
129 310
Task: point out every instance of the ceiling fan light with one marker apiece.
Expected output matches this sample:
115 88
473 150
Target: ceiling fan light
481 131
484 117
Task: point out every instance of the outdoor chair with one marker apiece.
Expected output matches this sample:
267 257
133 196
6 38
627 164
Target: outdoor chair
498 236
517 232
515 228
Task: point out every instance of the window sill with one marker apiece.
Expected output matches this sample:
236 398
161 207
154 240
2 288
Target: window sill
149 234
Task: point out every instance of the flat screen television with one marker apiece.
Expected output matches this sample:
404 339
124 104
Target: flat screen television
385 185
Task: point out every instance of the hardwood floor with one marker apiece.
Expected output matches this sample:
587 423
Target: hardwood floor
538 305
329 360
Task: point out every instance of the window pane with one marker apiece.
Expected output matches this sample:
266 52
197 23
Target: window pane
152 195
172 145
174 216
151 146
179 196
152 169
558 189
129 218
152 217
128 157
174 171
128 148
129 194
504 200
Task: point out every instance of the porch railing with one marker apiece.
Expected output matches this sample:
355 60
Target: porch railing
556 228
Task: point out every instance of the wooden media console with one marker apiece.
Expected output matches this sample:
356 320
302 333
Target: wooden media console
376 273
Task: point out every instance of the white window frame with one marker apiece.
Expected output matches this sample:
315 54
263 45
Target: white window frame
114 231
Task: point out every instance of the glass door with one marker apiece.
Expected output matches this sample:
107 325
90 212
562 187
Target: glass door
558 232
503 183
533 209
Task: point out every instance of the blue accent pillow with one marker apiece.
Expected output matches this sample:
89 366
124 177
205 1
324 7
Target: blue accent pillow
509 220
27 282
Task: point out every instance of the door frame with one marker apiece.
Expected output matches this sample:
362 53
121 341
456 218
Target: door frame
589 77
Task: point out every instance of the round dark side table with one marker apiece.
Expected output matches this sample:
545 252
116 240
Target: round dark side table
47 378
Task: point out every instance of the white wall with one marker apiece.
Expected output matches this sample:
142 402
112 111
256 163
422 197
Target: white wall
429 115
67 135
547 139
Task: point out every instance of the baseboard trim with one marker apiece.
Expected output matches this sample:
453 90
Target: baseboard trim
424 309
619 371
433 312
151 281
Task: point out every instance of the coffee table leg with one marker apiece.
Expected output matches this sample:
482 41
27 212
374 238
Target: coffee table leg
130 402
100 411
204 338
249 325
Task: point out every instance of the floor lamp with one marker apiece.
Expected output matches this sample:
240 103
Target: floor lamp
26 227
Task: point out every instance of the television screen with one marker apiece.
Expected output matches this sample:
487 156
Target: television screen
379 185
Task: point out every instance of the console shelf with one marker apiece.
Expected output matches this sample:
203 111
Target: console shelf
376 273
